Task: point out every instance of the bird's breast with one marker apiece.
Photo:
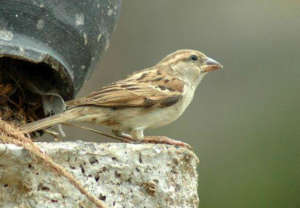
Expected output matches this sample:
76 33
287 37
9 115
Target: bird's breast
164 116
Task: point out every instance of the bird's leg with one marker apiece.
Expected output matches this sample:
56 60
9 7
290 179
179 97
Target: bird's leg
123 136
138 134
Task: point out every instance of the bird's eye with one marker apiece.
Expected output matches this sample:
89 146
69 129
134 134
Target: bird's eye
194 57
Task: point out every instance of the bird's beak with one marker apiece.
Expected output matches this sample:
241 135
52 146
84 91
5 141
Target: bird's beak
211 65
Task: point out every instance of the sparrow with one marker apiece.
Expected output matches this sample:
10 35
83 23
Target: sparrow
150 98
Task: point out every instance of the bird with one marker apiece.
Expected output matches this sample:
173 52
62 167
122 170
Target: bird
150 98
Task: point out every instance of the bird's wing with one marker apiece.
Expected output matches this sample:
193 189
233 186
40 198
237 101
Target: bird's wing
144 89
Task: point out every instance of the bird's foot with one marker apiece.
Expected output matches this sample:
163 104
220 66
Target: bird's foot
165 140
150 139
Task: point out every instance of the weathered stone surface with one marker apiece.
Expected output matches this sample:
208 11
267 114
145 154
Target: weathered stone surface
122 175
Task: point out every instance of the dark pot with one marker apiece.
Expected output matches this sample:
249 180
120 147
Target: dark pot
62 39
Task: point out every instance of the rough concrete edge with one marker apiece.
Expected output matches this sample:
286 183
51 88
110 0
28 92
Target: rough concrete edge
119 174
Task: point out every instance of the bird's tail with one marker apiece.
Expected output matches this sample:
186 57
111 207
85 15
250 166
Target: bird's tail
49 121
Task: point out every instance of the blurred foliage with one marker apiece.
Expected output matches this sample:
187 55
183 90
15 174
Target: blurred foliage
244 121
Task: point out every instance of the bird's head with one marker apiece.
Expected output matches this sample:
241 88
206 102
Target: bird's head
190 65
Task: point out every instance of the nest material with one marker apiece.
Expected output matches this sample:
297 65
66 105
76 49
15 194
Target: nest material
18 105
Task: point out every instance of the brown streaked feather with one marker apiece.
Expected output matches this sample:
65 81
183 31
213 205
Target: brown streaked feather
142 89
163 79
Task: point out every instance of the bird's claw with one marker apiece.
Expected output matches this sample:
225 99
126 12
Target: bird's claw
165 140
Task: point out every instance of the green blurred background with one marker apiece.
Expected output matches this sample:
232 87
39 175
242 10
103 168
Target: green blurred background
244 121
